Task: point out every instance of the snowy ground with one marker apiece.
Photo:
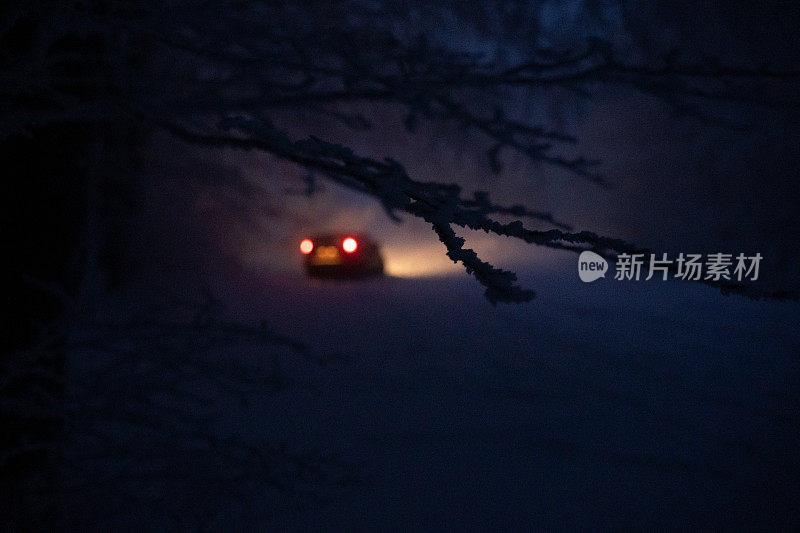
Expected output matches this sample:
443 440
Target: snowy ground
613 405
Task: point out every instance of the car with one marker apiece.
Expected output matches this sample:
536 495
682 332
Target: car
341 255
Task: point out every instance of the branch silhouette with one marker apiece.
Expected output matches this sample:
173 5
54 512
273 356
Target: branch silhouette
222 72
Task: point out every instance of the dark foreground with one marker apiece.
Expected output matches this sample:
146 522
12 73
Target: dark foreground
419 405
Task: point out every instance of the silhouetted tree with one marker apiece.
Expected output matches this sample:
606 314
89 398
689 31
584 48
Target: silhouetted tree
226 71
84 81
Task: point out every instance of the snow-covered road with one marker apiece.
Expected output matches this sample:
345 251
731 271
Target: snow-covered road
612 405
619 405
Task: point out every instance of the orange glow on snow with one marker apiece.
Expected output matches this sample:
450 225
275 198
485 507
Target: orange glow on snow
418 262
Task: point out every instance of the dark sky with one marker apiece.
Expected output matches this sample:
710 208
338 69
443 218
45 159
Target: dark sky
679 184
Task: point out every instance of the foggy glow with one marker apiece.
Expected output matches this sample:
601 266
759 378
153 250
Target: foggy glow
306 246
418 262
349 245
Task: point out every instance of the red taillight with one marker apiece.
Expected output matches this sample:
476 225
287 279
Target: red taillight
306 246
349 245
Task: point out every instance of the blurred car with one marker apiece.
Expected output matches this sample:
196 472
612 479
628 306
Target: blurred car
341 256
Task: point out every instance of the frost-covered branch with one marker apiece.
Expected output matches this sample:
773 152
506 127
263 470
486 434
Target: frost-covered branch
242 65
441 205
